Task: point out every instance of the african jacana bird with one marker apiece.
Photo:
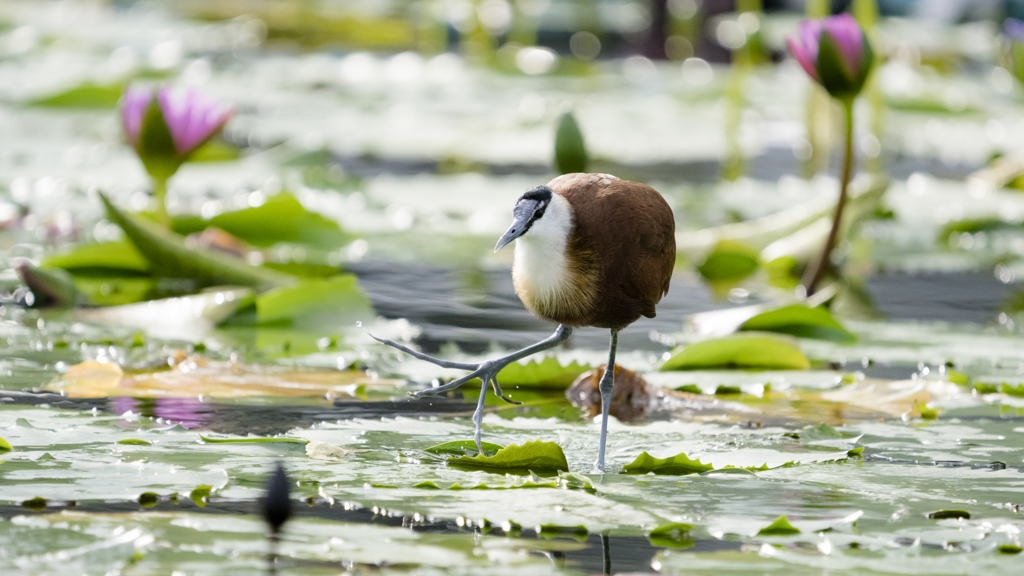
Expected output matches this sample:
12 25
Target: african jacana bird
591 250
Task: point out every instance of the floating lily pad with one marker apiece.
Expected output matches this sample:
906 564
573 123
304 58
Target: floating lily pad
134 442
947 514
5 446
781 527
463 448
801 321
201 494
314 298
731 261
678 465
675 535
749 351
535 455
547 373
148 499
35 504
88 95
554 531
1010 549
274 440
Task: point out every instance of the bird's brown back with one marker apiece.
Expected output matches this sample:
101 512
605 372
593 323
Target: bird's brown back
625 233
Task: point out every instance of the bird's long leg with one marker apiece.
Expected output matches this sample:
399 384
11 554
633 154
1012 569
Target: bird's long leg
606 386
486 371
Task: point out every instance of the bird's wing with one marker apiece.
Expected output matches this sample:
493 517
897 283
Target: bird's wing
650 248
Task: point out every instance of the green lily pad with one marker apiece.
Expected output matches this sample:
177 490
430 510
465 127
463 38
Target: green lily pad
926 412
216 150
1010 549
134 442
281 218
800 321
463 448
946 514
107 258
547 373
148 499
678 465
1012 390
749 351
535 455
554 531
34 504
5 446
314 298
570 149
88 95
675 535
270 440
855 452
428 485
730 261
169 257
781 527
201 494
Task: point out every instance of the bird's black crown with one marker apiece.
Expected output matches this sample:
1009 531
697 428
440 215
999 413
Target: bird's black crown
540 194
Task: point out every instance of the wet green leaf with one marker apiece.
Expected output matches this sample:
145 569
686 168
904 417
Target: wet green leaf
675 535
748 350
168 256
148 499
535 455
781 527
1012 390
52 288
463 448
216 150
570 149
315 299
986 388
800 321
926 412
281 218
855 452
428 485
35 504
201 494
678 465
111 258
5 446
819 432
88 95
134 442
958 378
548 373
1010 549
730 261
946 514
690 389
727 390
554 531
269 440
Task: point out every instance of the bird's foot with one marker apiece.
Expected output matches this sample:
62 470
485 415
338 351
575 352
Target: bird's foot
486 371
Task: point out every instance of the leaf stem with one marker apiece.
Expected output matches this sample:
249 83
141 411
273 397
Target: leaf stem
160 193
814 274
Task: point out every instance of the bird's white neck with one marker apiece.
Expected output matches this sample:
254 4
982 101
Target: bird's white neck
541 266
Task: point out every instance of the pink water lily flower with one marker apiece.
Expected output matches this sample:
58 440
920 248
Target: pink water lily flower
191 117
835 53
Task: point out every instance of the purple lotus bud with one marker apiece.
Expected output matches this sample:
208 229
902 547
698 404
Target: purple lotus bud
167 127
834 52
1013 47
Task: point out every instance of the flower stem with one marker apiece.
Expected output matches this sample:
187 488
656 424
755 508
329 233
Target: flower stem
814 275
160 193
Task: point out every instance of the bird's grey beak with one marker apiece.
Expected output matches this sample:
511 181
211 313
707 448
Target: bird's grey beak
521 216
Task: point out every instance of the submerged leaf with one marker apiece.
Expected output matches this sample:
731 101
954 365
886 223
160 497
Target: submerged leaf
463 448
751 350
168 256
675 535
134 442
534 455
781 527
201 495
547 373
678 465
284 440
801 321
946 514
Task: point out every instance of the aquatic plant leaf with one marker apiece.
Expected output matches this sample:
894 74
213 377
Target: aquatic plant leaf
570 149
1010 549
678 465
463 448
201 494
926 412
148 499
781 527
134 442
675 535
315 299
958 378
801 321
87 95
1012 390
327 451
268 440
428 485
216 150
748 350
114 258
730 261
52 288
855 452
819 432
169 257
281 218
554 531
35 504
946 514
547 373
535 455
5 446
